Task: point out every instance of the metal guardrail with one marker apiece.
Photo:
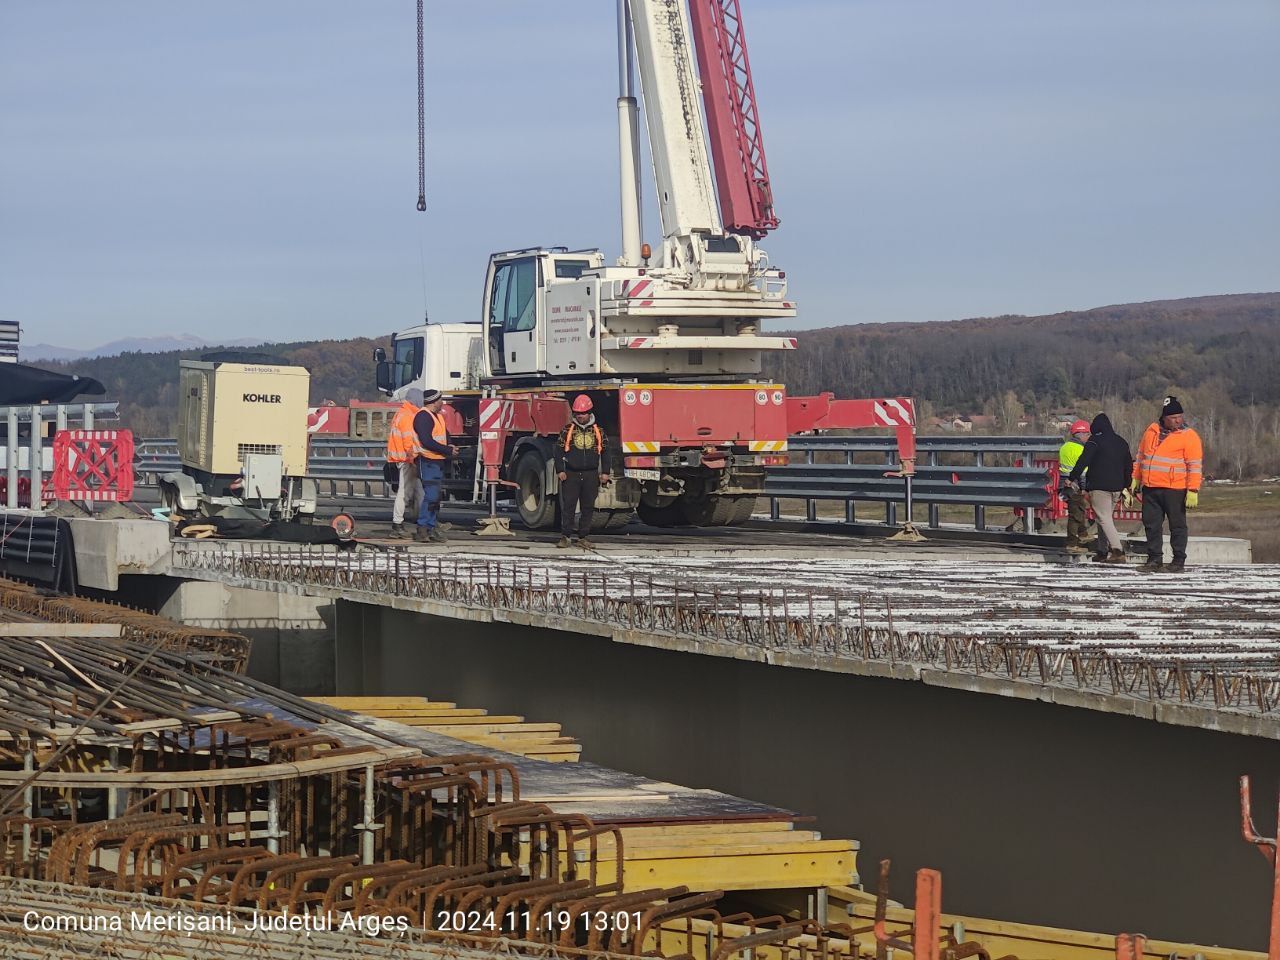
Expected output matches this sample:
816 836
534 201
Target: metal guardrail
38 458
977 485
353 469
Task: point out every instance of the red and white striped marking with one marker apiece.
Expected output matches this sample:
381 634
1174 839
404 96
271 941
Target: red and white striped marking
893 413
496 414
317 419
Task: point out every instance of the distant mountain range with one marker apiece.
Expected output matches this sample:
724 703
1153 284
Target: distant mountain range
36 352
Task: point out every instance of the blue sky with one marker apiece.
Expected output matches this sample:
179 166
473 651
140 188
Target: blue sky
249 169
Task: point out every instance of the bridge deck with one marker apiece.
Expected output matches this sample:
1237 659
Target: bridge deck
1200 649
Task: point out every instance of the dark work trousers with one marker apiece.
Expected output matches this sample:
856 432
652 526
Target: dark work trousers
578 489
1077 515
1158 503
432 474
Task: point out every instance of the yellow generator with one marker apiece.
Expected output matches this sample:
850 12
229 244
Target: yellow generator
242 439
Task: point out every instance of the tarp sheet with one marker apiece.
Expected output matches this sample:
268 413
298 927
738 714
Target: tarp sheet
20 383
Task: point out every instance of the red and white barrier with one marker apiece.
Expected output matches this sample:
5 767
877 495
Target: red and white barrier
93 465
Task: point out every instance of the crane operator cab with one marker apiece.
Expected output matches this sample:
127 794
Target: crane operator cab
517 286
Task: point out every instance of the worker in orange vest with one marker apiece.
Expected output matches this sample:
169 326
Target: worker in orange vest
435 453
1167 472
402 453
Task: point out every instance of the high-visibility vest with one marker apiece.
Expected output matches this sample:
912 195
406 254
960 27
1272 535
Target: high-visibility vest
439 434
1174 463
1069 455
402 439
568 437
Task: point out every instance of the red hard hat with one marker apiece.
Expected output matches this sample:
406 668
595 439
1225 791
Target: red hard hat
1080 427
582 404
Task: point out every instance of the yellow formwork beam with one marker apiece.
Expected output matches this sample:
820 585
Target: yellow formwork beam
1027 941
473 725
748 861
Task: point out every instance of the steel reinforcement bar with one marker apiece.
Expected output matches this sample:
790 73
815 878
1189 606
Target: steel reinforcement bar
812 626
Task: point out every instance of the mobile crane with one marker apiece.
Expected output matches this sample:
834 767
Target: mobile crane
668 346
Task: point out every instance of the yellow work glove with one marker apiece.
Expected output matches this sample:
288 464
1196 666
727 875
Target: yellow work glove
1193 499
1126 498
1135 486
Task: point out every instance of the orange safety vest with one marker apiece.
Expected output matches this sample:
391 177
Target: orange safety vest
439 434
568 437
402 439
1174 463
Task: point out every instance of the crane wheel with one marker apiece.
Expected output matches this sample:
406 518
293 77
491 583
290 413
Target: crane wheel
743 508
667 515
538 510
710 511
611 519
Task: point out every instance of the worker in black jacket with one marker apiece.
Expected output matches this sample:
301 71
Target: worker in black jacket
581 466
1109 462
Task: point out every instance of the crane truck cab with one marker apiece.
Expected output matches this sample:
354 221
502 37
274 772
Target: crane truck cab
551 313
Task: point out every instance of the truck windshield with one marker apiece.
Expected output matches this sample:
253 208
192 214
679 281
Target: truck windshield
406 365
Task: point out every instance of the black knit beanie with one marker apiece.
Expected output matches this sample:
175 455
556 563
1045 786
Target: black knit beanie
1171 407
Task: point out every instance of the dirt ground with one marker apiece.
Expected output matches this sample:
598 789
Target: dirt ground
1248 510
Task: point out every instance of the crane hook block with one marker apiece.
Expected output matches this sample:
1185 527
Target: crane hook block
422 203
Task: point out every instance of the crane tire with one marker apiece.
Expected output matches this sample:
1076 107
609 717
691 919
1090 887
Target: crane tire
712 511
537 509
743 508
667 515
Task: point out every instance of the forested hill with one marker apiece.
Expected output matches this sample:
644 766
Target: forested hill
1222 353
146 384
1137 351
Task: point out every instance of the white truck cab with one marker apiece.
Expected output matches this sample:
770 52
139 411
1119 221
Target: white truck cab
439 356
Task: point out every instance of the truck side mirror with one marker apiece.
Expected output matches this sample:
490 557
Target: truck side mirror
384 376
379 355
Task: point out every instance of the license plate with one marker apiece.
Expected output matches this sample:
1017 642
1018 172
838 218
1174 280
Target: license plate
637 474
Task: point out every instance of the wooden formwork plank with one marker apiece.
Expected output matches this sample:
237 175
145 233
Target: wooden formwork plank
464 718
543 730
61 630
362 703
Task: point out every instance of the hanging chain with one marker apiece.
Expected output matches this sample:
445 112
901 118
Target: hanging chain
422 123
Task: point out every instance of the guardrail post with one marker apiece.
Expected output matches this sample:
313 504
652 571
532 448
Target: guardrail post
979 510
890 508
11 453
36 465
88 416
935 519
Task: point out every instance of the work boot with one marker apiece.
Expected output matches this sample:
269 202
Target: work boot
1153 565
1072 542
564 543
1077 549
1116 556
437 536
1178 566
422 533
1099 558
585 544
402 530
